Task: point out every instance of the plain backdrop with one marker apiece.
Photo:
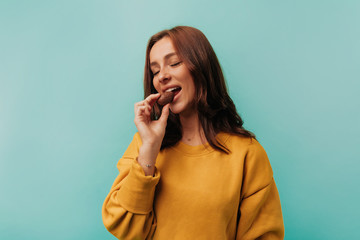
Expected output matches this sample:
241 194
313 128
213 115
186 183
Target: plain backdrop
71 71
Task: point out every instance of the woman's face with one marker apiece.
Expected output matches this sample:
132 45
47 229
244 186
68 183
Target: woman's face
171 74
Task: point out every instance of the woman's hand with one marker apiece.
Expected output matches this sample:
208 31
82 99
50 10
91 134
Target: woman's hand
151 132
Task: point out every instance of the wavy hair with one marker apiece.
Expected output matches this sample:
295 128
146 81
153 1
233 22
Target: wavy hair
216 111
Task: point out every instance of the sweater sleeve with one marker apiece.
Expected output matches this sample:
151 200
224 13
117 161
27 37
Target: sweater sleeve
128 209
260 210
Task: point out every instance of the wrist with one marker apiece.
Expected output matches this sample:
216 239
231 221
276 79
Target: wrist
148 152
148 167
150 147
147 158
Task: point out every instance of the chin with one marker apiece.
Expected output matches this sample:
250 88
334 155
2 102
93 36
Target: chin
181 109
176 109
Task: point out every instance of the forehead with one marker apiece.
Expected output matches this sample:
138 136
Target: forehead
161 49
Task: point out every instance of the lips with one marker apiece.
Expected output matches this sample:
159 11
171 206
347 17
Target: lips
173 89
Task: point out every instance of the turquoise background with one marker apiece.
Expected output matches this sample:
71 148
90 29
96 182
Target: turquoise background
70 72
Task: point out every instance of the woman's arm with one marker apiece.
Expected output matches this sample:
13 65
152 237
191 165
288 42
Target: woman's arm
260 209
151 132
128 209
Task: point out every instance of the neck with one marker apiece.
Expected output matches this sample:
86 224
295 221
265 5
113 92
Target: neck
192 131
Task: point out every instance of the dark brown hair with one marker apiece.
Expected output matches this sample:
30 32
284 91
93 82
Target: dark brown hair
216 110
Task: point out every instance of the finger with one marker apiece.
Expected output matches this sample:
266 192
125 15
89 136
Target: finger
152 98
148 110
140 110
141 103
165 113
137 105
145 112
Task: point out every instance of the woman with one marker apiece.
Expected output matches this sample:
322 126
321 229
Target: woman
192 171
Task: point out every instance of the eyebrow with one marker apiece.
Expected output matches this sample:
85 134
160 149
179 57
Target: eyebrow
167 56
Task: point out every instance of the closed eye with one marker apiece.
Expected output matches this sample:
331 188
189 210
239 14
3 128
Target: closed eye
175 64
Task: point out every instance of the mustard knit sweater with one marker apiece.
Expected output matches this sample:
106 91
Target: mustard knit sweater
196 193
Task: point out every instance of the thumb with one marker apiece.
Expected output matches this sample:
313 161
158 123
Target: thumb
165 113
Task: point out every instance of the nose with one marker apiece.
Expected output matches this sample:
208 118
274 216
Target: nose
164 76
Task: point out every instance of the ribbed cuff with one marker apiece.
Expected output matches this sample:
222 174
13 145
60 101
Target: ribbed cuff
137 191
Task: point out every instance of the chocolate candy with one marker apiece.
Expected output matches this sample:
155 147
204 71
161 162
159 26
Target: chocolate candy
165 98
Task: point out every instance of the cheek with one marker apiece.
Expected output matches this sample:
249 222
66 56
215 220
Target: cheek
156 84
193 93
191 86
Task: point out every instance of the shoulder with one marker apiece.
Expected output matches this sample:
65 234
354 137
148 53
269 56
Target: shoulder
236 143
250 151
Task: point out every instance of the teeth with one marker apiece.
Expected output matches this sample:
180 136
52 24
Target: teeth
171 89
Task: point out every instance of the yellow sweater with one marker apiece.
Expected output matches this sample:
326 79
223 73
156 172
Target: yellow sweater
196 193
